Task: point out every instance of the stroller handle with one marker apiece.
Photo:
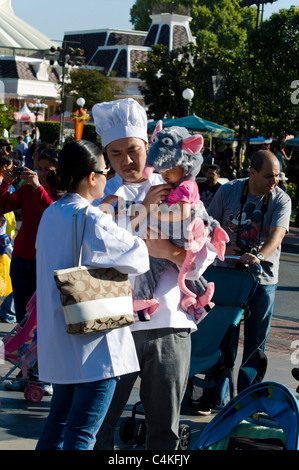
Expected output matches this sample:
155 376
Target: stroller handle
260 269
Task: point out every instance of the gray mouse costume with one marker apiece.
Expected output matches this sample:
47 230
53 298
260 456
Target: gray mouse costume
173 147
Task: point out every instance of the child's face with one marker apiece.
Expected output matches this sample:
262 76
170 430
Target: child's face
173 175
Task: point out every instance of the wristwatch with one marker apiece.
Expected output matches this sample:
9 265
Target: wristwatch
260 256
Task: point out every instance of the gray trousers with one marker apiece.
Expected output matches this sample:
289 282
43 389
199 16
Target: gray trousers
164 358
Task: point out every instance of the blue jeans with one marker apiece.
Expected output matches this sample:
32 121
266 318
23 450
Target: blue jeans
23 280
76 414
256 330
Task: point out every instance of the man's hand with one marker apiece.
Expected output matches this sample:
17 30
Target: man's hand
159 246
155 195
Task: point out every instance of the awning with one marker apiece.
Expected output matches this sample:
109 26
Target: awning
196 124
25 115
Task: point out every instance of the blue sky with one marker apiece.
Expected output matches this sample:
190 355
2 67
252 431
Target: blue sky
55 17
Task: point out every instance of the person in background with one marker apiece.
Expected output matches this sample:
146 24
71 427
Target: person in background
21 146
208 188
31 199
255 213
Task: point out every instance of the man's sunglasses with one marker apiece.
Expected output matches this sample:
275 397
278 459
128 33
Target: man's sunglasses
102 172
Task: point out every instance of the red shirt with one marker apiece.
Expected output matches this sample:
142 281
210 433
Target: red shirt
32 203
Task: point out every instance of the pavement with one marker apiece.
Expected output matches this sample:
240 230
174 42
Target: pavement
22 421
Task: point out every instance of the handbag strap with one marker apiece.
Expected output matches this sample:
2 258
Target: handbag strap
75 235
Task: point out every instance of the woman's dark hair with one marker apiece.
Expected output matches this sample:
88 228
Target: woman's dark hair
5 160
48 152
77 159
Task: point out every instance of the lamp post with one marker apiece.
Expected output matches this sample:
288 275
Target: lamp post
36 107
188 95
65 58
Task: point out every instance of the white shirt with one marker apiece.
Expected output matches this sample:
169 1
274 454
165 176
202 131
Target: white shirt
65 358
169 313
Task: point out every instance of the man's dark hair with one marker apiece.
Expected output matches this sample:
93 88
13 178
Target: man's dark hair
215 167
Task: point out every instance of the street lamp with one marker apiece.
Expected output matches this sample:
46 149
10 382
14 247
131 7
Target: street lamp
188 95
37 106
66 58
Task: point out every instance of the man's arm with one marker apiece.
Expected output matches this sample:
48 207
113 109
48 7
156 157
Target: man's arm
273 241
159 247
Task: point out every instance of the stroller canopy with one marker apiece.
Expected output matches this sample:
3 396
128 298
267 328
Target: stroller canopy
271 398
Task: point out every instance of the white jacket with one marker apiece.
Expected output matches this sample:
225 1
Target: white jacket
65 358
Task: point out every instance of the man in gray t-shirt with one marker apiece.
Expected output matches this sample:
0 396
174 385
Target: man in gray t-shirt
255 212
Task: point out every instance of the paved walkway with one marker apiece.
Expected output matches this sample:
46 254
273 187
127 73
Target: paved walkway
22 421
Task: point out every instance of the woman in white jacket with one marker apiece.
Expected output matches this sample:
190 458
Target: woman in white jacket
83 368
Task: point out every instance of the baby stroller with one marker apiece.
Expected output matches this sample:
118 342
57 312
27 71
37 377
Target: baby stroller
214 344
262 417
20 349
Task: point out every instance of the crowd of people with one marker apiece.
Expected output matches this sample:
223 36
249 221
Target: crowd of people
93 375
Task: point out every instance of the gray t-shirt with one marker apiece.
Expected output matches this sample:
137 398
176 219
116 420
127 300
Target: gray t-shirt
226 207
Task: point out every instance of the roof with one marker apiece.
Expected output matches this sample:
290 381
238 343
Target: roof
89 41
119 51
23 70
14 32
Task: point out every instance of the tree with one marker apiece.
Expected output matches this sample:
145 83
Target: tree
92 85
166 75
6 117
215 22
274 60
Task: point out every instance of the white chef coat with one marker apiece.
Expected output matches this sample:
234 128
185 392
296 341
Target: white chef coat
65 358
168 314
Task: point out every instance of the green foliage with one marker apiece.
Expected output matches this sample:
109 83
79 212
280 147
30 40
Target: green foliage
6 117
271 54
214 22
92 85
89 133
274 52
48 131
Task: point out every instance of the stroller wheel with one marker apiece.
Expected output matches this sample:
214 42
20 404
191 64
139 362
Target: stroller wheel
126 429
33 393
139 433
184 436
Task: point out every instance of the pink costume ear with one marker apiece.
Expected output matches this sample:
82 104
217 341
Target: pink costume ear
158 128
147 171
193 144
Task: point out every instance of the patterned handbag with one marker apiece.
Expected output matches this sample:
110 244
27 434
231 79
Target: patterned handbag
93 299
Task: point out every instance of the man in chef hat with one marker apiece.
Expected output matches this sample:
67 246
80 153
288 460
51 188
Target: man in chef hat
163 344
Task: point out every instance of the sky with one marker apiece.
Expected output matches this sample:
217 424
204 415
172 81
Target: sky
55 17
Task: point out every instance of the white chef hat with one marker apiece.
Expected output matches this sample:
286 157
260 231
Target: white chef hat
119 119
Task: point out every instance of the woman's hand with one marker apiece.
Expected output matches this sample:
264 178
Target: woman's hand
31 177
8 176
106 202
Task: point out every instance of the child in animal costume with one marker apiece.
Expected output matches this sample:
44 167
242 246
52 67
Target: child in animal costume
175 154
